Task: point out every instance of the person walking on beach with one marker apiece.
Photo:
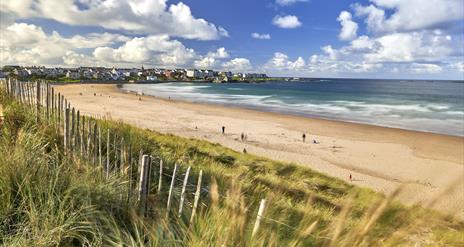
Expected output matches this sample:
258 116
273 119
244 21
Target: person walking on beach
223 130
242 137
351 178
304 137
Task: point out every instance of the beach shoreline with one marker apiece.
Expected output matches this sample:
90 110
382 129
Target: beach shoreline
380 158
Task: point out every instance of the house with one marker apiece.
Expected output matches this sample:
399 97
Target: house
207 73
116 74
73 74
88 74
193 73
3 75
20 72
168 73
227 74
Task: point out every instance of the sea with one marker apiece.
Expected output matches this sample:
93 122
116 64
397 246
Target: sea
430 106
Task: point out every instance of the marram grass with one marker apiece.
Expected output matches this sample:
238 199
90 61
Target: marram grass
49 199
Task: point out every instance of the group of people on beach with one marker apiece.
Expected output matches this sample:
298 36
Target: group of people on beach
244 137
304 139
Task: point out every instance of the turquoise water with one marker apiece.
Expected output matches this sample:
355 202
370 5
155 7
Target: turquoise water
432 106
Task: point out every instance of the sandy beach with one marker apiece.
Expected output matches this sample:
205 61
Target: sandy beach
377 157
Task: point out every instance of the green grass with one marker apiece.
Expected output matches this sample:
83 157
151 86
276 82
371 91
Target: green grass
49 199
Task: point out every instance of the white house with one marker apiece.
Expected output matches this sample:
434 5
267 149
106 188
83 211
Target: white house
72 74
193 73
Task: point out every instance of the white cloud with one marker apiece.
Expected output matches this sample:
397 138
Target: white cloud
331 53
281 62
422 68
152 50
410 47
397 43
138 16
410 15
349 27
288 21
72 58
261 36
219 53
211 59
23 43
459 66
288 2
205 63
237 65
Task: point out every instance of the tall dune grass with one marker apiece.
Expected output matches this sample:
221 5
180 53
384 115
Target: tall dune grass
50 199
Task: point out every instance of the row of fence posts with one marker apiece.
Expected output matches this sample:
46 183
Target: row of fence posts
82 138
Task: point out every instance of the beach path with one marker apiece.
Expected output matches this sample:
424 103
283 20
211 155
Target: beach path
377 157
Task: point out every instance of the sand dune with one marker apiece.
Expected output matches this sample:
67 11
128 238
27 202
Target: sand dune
379 158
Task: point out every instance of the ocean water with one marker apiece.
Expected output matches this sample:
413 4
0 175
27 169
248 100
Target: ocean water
431 106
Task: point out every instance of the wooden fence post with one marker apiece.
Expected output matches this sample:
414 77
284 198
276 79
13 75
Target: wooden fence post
262 206
122 157
160 176
66 129
38 100
182 194
100 161
58 110
171 188
197 197
95 144
131 172
53 101
47 100
144 183
108 154
73 129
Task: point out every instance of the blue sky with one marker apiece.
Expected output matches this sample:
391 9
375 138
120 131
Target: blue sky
314 38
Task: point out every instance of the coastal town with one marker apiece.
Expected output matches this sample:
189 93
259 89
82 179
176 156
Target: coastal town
93 74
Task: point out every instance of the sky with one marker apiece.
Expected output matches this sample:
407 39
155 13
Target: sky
408 39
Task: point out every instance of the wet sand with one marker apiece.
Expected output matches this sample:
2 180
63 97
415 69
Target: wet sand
379 158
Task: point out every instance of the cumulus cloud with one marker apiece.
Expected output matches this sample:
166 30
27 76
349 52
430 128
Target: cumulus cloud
153 17
72 58
288 2
23 43
211 59
288 21
219 53
153 50
410 15
410 47
349 27
280 61
261 36
237 65
408 40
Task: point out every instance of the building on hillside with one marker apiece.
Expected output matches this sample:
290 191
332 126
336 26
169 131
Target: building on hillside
193 73
73 74
168 73
20 72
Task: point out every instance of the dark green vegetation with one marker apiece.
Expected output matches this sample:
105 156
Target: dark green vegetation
50 199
